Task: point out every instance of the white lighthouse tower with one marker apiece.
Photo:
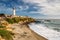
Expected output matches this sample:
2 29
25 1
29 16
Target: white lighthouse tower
14 12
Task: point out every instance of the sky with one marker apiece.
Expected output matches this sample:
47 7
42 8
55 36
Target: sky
33 8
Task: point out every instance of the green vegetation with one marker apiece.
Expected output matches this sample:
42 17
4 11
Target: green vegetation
9 20
18 19
2 26
7 35
30 19
13 20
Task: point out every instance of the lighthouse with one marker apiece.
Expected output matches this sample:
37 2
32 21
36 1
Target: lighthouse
14 12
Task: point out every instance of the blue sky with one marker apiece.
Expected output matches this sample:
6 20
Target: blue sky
32 8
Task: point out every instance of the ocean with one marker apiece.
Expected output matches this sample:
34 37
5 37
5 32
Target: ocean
49 30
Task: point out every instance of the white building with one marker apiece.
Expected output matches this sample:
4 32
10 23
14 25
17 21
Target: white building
14 12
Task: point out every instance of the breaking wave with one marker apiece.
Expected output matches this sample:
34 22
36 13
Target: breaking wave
44 31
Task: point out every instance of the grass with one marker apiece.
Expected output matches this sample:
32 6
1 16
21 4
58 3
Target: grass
9 20
18 19
7 35
2 26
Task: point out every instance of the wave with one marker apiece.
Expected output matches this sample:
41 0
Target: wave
45 32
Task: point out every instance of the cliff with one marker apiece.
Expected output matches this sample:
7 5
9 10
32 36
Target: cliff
16 28
23 32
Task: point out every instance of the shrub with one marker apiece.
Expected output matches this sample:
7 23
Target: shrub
16 19
2 26
9 20
6 34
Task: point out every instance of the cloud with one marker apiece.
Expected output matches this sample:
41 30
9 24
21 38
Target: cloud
23 7
46 8
19 5
49 7
7 5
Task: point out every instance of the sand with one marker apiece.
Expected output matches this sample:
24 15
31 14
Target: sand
23 32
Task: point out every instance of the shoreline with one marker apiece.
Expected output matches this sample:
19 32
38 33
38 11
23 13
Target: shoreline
26 33
39 37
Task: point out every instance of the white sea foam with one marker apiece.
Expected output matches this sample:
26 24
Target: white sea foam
45 32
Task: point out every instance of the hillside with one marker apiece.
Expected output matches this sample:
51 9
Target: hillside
16 28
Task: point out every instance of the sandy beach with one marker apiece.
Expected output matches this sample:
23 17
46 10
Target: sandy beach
23 32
